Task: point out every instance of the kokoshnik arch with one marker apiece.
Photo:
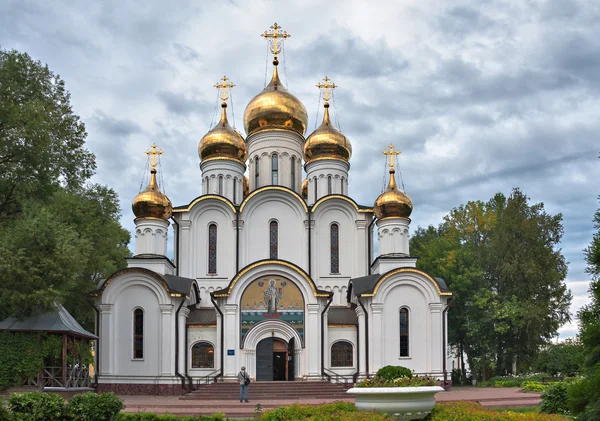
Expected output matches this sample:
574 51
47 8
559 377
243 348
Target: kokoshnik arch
270 271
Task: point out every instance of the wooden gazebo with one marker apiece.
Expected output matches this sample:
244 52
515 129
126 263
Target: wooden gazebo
59 322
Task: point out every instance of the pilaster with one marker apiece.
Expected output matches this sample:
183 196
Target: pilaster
107 333
231 332
314 340
437 350
166 345
377 335
362 342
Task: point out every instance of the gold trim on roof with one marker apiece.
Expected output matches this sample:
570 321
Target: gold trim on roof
272 262
148 272
267 188
206 197
404 270
346 198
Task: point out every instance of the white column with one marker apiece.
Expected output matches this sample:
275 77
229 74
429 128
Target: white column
313 340
107 339
361 250
231 330
377 335
166 345
362 342
437 350
183 315
185 249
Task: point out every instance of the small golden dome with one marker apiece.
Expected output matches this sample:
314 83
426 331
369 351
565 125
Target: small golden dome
305 188
222 141
393 202
327 142
275 107
151 202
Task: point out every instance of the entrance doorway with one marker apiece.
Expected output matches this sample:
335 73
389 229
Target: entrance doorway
275 360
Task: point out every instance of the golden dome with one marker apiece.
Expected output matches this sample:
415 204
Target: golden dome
151 202
305 188
327 142
275 107
222 141
393 202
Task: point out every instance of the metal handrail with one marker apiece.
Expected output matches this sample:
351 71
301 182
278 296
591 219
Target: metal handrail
207 379
347 378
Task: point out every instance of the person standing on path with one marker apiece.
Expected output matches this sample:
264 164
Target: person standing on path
244 380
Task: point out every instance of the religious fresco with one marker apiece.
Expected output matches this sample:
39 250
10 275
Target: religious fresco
272 298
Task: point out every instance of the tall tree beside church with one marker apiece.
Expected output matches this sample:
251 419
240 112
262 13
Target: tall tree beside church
58 234
500 260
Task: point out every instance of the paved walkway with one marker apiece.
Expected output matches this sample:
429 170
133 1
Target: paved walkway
490 397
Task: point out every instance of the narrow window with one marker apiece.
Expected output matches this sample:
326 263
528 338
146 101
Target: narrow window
273 239
293 185
342 189
274 169
138 334
221 186
212 248
341 354
329 186
203 355
316 190
404 332
256 172
335 248
235 191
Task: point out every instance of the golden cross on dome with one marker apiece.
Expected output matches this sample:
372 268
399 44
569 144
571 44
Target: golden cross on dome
327 87
275 36
154 152
224 88
391 153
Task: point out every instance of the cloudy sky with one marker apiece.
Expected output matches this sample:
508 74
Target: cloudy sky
480 97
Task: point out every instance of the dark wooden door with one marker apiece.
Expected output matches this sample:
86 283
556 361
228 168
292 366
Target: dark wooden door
291 369
264 360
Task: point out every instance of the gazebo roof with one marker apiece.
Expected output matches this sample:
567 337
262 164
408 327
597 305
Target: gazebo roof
58 321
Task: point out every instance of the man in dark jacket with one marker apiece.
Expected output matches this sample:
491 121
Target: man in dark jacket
244 380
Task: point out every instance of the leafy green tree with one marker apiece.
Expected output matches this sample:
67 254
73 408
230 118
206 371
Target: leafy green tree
42 142
500 260
564 358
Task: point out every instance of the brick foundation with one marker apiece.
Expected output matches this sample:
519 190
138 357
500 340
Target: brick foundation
142 389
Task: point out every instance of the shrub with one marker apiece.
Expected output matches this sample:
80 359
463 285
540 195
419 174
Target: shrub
337 411
93 407
584 396
471 411
399 382
391 372
38 406
555 400
529 386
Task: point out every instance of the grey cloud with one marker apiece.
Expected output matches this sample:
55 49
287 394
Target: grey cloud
182 105
114 126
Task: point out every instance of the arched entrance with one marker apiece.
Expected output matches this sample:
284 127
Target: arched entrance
275 360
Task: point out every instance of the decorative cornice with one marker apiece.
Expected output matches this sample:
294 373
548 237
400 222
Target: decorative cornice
346 198
271 188
187 208
405 270
98 292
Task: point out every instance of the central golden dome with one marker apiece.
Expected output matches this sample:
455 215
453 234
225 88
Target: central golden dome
275 107
151 202
327 142
393 202
222 141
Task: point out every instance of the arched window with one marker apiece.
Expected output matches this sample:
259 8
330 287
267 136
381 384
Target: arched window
274 169
203 355
404 332
256 172
212 248
138 334
335 248
341 354
329 186
273 239
235 191
293 185
221 185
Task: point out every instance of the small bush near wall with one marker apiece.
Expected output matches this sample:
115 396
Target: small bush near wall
555 399
471 411
37 406
93 407
392 372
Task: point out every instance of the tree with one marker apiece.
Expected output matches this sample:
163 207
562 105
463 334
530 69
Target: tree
560 359
500 260
42 141
59 235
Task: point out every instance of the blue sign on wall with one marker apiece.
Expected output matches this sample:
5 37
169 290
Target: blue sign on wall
231 352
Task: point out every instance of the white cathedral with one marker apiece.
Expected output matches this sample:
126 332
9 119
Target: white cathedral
270 271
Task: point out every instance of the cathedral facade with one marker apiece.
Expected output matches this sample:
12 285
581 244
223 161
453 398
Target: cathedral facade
271 270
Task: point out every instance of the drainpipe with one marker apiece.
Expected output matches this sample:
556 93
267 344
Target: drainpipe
212 300
444 340
176 248
237 240
370 245
366 337
309 245
323 334
185 373
177 373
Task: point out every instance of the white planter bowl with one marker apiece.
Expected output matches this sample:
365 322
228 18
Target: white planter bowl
404 403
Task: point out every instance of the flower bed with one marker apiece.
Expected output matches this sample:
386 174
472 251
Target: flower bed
471 411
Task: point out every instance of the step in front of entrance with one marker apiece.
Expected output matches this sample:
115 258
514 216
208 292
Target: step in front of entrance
271 390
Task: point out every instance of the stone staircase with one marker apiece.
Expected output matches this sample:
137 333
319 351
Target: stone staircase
260 391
